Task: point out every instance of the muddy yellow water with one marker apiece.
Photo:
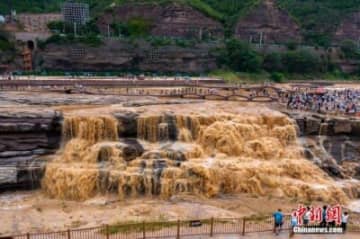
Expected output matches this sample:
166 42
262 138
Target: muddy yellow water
205 150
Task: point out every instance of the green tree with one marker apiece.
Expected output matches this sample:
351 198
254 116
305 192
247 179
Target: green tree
239 56
138 27
350 49
5 43
277 77
302 61
273 62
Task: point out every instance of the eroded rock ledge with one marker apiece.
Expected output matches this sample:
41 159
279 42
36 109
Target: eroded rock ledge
25 137
331 142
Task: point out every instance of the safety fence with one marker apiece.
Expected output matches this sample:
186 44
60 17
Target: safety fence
170 229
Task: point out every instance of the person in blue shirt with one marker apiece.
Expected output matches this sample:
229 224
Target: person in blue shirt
278 221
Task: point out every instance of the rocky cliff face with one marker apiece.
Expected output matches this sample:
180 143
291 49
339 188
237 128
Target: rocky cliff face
268 22
333 143
122 55
25 137
173 20
349 29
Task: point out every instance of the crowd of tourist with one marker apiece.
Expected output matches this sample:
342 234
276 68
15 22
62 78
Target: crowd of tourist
345 101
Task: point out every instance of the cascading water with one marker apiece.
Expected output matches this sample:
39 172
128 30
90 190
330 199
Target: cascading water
194 153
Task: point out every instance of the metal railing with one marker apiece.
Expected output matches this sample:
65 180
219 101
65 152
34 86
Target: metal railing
171 229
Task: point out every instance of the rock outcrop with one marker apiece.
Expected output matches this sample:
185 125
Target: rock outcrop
173 20
269 24
349 28
115 55
333 143
25 137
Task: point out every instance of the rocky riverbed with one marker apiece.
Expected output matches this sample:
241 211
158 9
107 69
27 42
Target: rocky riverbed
113 145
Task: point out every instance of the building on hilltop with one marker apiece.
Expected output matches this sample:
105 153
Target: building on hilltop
76 13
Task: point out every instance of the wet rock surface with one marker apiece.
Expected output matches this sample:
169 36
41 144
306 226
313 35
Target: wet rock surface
333 143
25 137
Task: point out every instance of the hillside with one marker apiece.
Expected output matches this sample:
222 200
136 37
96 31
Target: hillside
320 16
203 36
318 19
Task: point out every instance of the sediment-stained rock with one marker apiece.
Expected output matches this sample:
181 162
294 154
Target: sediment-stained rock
26 136
331 142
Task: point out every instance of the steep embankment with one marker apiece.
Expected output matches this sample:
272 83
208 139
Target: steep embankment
269 24
349 28
168 19
124 55
25 136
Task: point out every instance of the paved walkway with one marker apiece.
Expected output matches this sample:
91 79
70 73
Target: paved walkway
283 235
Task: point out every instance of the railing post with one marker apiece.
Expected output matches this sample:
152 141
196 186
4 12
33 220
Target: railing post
212 227
178 230
68 234
143 229
28 236
243 226
107 231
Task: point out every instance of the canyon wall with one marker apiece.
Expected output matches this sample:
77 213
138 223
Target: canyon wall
116 55
349 29
332 142
172 20
268 22
25 137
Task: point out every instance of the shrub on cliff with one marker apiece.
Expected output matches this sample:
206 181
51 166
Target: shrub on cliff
90 40
89 28
277 77
135 27
5 44
138 27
